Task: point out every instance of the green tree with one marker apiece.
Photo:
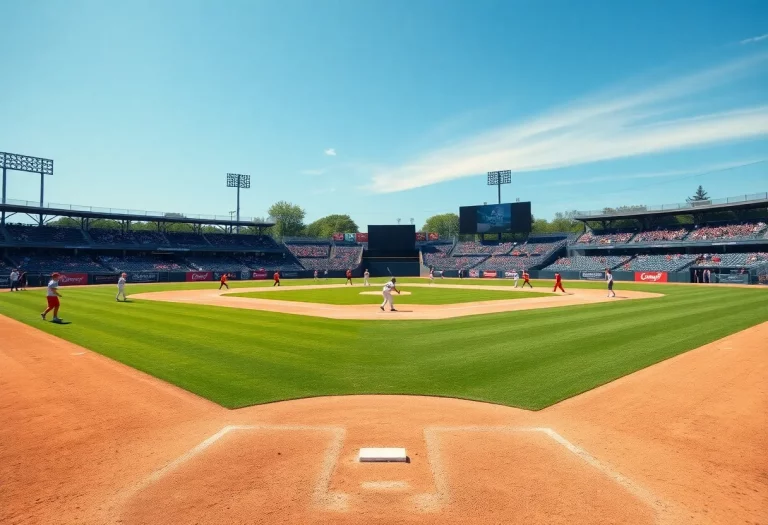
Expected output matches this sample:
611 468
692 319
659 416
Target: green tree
288 219
700 195
327 226
446 225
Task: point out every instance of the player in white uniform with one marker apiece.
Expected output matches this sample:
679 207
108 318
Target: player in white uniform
515 277
316 279
366 276
609 280
52 295
121 287
431 275
387 293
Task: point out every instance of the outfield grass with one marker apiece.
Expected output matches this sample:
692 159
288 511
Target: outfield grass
529 359
352 295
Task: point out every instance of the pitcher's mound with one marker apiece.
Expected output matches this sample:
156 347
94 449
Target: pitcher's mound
373 292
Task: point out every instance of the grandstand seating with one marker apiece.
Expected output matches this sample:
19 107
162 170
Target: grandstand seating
662 263
464 262
45 234
217 263
732 260
186 239
605 238
729 232
105 236
477 248
241 240
587 263
508 263
45 263
145 237
661 235
143 263
276 262
309 250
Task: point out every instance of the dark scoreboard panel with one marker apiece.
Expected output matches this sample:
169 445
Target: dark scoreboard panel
495 218
392 238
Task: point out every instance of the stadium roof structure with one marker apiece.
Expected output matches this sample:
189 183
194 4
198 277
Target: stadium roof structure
91 212
755 200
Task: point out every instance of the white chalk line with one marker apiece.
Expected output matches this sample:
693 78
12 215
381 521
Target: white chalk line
321 494
79 353
385 485
430 502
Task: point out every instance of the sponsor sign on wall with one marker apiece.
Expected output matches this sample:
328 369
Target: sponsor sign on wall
288 275
143 277
510 275
474 273
259 275
489 273
651 277
350 237
433 236
199 276
70 279
105 279
361 237
593 276
338 236
421 236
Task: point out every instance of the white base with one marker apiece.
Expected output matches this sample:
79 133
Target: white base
382 454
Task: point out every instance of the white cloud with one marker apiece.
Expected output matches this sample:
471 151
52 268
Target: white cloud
331 152
313 172
604 127
754 39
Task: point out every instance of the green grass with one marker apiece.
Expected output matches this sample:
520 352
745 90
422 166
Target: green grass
529 359
418 295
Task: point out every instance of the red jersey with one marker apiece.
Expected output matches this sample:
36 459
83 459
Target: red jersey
557 278
349 274
276 276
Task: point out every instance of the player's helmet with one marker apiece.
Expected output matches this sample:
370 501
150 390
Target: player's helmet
394 280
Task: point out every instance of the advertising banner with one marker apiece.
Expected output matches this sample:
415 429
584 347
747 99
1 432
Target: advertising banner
105 279
510 275
361 237
433 236
288 275
232 276
733 278
338 236
70 279
593 276
259 275
350 237
5 281
143 277
421 236
199 276
474 273
651 277
490 274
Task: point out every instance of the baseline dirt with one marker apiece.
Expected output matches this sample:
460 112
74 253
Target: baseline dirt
86 440
215 297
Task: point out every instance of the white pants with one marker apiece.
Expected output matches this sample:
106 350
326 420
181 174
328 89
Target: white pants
387 299
365 282
515 284
120 291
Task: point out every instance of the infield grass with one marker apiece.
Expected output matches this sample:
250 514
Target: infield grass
528 359
417 295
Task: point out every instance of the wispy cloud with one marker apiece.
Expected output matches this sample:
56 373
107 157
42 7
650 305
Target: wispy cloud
604 127
754 39
331 152
313 172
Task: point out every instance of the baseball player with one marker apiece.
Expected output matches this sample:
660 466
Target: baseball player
276 277
515 277
366 276
526 280
52 295
387 293
349 278
558 282
121 287
431 276
223 281
15 280
316 279
609 280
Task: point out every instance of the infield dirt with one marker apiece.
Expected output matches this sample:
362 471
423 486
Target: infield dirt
84 439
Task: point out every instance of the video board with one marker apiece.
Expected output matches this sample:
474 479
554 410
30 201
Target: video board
495 218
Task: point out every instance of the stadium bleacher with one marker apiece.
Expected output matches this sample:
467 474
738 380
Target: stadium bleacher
605 238
23 234
105 236
240 240
45 263
587 263
729 232
732 260
143 263
309 250
662 263
661 235
186 239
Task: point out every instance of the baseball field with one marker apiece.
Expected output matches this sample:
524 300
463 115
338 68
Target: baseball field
670 443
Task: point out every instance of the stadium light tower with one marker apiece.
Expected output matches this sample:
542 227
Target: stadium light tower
235 180
497 178
16 162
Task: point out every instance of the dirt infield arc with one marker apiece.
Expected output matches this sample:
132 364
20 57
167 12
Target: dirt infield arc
84 439
214 297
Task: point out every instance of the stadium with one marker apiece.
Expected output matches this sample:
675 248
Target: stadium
475 401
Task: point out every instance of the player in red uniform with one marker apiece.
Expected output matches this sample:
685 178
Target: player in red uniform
558 282
276 277
223 281
349 278
526 279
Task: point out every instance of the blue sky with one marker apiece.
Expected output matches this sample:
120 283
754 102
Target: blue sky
385 110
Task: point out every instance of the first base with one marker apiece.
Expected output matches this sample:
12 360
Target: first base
382 454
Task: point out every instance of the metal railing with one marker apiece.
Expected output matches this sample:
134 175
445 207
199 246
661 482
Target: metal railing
738 199
143 214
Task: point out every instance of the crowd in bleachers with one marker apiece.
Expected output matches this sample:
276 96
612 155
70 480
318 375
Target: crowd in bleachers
477 248
664 263
604 238
463 262
241 240
143 263
742 260
104 236
186 239
662 235
61 263
45 234
309 250
508 263
729 232
587 263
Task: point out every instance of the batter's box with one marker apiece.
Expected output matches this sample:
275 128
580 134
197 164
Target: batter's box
527 475
242 471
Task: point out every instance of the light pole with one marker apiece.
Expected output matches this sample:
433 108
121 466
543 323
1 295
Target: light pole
497 178
236 180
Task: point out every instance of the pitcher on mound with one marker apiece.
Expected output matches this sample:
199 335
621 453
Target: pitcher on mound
387 293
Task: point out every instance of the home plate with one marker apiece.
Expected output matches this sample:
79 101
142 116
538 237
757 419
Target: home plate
382 454
379 293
